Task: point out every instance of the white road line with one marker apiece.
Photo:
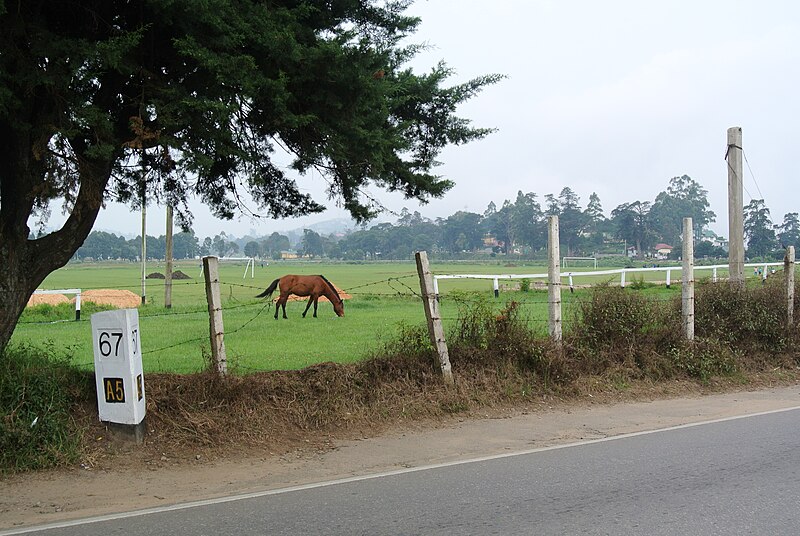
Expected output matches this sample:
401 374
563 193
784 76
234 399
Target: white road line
303 487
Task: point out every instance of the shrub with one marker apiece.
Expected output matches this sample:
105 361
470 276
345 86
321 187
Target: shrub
704 359
753 318
37 390
617 327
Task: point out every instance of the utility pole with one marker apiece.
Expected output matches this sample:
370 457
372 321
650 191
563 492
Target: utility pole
168 274
733 156
144 241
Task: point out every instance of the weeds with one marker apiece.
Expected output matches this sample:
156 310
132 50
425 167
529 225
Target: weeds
38 388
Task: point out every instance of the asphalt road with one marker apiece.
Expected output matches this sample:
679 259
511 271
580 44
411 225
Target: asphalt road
737 476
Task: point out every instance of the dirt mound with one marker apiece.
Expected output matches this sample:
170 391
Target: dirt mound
155 275
179 275
50 299
122 299
342 294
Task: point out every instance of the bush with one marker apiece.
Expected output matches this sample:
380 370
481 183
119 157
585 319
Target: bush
753 318
618 327
37 390
704 359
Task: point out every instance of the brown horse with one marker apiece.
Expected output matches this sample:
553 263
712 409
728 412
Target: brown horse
312 286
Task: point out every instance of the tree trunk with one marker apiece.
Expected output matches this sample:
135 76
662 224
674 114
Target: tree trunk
16 286
26 262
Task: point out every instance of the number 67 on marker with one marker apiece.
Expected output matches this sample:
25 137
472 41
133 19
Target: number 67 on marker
118 366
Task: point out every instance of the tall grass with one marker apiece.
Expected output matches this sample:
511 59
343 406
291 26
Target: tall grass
37 390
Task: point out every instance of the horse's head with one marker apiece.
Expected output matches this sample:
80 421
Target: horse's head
338 307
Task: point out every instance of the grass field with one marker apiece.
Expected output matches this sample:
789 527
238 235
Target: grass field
384 296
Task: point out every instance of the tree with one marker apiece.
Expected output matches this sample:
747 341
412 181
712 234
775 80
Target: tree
684 198
571 219
462 232
632 224
185 245
498 223
526 223
220 244
312 244
273 245
789 231
197 96
595 219
758 229
207 247
252 249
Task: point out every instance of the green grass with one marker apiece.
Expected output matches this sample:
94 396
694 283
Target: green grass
176 340
37 389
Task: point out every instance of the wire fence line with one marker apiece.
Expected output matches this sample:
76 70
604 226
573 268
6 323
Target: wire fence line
533 303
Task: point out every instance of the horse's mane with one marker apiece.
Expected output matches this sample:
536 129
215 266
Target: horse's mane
330 286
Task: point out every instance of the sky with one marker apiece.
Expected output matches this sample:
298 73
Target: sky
613 97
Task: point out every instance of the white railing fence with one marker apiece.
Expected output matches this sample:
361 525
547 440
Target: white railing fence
622 272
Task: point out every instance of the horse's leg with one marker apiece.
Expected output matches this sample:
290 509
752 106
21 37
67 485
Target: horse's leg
308 304
281 303
315 306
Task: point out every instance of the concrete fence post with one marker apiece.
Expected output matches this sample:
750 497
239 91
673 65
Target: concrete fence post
687 280
553 279
788 272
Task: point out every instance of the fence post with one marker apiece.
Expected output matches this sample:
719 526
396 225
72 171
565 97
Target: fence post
435 329
554 279
216 329
788 274
687 280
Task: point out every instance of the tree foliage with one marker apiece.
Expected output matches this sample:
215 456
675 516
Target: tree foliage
758 229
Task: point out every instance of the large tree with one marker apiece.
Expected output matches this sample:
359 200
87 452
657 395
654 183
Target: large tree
113 99
684 198
789 231
758 229
632 224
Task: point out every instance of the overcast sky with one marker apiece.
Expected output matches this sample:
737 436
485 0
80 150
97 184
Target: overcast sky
613 97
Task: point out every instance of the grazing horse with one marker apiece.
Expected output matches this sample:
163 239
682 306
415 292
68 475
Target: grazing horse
312 286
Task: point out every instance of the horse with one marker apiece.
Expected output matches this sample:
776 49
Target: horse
312 286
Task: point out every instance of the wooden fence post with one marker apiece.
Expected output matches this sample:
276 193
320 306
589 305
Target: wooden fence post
216 329
553 279
687 280
788 274
435 328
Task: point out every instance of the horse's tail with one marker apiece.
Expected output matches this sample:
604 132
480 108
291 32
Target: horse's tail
270 289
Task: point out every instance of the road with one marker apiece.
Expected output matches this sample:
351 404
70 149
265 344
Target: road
731 476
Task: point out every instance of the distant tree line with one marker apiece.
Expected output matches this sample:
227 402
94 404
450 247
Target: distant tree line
517 227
